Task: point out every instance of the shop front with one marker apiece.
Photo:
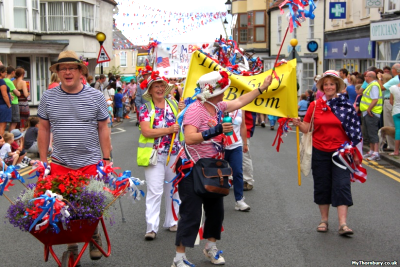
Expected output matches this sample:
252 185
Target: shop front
386 33
353 55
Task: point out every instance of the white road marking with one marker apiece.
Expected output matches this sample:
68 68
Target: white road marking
120 130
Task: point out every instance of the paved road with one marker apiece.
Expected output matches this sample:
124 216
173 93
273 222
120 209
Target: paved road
278 231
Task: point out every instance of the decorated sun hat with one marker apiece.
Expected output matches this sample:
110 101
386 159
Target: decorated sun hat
17 134
331 74
212 84
154 77
68 57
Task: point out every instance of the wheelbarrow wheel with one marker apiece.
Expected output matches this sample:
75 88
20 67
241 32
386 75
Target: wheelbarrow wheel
67 259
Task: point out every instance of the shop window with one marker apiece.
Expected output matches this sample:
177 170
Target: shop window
42 77
392 5
395 51
20 14
1 13
122 59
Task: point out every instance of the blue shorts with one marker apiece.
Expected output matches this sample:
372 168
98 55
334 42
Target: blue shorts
118 112
5 113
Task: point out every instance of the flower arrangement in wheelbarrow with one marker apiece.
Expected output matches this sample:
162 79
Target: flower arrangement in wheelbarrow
56 199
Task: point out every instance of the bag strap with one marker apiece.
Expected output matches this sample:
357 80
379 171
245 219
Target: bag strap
311 127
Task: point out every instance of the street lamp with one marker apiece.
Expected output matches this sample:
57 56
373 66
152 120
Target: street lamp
293 43
228 6
101 37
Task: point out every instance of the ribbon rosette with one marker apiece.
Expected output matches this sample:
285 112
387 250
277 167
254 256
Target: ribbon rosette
345 154
283 129
105 171
42 170
125 181
45 210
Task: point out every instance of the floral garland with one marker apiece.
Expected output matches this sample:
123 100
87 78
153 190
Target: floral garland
208 89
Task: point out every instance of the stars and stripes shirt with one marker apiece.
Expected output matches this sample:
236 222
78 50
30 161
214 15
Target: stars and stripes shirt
235 140
74 121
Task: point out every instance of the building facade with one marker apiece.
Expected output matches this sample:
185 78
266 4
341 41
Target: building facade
309 50
386 33
34 32
347 41
250 26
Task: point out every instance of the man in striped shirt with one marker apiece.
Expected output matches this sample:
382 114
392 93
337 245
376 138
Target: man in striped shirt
77 116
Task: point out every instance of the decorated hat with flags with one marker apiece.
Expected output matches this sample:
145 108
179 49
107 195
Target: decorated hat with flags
146 70
332 74
212 84
154 77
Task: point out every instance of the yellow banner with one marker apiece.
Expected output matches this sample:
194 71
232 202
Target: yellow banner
280 100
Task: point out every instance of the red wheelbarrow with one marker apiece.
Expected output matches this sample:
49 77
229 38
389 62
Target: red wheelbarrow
78 231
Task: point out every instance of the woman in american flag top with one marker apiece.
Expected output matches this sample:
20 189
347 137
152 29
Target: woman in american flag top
335 123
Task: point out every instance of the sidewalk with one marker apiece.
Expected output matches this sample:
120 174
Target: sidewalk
394 160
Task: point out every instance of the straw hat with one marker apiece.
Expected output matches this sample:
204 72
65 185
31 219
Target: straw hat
154 77
213 84
69 57
333 74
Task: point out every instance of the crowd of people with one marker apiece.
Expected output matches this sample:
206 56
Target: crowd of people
342 106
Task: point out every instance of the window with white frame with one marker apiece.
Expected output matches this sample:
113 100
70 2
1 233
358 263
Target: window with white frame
392 5
308 76
87 17
1 13
20 14
97 17
279 29
43 17
35 15
311 28
68 17
122 59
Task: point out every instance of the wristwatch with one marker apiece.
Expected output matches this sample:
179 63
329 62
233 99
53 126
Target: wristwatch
109 158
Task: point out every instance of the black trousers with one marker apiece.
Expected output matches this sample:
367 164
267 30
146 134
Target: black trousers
190 213
331 184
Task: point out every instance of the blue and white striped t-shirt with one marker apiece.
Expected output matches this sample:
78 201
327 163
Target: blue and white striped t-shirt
74 123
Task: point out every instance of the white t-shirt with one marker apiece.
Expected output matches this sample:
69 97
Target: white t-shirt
237 122
119 84
111 91
395 91
5 149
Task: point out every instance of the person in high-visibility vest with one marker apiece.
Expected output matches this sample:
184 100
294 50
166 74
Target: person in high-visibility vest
157 120
371 107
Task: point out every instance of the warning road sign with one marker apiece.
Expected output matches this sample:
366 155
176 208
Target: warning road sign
103 56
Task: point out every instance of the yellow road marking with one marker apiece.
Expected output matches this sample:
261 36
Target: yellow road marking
383 167
378 168
25 172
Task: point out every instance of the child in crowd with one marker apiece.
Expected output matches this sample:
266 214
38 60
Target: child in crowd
18 145
110 112
302 105
1 160
359 91
31 134
118 104
9 157
127 106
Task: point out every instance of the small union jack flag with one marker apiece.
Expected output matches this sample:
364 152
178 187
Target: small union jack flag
162 62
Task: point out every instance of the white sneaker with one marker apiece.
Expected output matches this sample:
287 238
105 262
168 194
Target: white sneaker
241 205
369 154
374 157
214 255
182 263
23 165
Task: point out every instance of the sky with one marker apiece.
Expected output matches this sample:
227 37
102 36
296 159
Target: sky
172 21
